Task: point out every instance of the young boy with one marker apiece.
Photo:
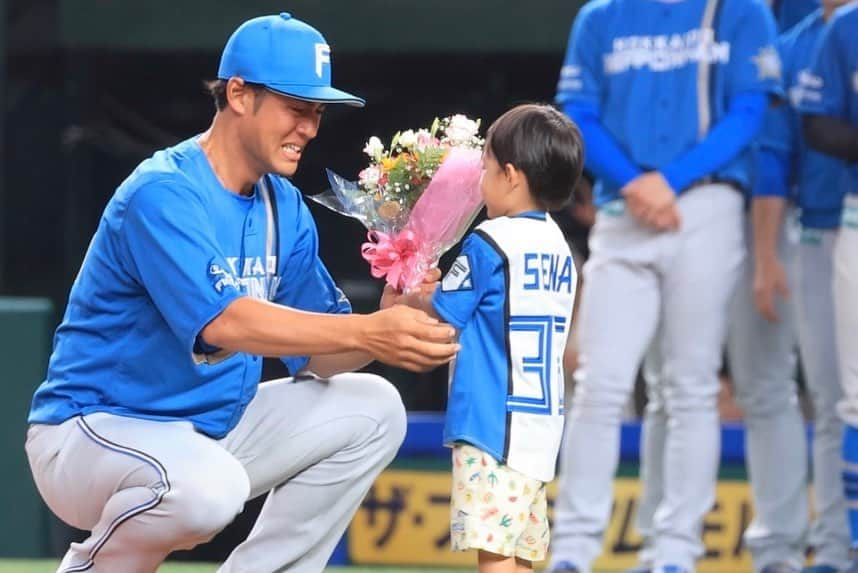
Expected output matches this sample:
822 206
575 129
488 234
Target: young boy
510 294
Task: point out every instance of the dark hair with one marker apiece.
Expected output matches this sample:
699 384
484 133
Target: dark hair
545 145
217 89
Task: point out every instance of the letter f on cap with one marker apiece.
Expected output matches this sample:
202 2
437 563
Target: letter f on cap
323 56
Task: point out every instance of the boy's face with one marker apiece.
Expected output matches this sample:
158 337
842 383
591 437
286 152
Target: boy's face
494 185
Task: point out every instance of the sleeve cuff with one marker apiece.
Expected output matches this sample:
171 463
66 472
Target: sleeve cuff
675 179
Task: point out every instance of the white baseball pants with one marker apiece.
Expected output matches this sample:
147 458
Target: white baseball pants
636 280
145 488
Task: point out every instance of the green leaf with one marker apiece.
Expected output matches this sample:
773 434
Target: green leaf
435 125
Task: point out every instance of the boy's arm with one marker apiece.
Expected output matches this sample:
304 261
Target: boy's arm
476 272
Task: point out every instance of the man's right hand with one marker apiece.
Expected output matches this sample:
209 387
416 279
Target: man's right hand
769 279
409 338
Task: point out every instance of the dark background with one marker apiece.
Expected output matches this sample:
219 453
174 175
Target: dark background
92 87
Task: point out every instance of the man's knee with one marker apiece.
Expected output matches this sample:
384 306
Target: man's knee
199 508
382 402
390 409
765 397
601 393
692 394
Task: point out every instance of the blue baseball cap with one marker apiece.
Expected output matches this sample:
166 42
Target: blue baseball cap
285 55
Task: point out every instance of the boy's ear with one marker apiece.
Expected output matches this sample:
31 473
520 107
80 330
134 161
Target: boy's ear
512 174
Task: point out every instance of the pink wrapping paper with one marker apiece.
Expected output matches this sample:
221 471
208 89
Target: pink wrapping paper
438 220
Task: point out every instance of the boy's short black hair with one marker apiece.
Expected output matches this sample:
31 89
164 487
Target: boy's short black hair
545 145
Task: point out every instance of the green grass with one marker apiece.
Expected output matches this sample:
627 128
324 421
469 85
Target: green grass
50 566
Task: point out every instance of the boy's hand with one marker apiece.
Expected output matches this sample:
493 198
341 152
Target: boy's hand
430 281
417 297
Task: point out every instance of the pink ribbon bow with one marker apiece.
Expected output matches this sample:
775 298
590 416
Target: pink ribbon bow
396 257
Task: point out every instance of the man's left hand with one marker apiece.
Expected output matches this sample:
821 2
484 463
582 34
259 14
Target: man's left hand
651 201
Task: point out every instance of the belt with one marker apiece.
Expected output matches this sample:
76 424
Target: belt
709 180
715 180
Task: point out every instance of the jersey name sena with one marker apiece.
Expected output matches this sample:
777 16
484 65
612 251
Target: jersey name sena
665 52
547 271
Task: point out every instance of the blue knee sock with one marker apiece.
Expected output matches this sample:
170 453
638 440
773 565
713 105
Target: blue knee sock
850 478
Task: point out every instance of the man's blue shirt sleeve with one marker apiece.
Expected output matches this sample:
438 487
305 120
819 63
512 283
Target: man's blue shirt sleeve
723 142
774 152
170 248
823 89
582 77
604 156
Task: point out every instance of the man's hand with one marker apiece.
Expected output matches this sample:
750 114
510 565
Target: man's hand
769 279
408 338
652 202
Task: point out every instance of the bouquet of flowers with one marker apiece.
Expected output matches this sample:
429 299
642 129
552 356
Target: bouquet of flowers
417 197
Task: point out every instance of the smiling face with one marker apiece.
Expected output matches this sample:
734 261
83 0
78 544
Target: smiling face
275 129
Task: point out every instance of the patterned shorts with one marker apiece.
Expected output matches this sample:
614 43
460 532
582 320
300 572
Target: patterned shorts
495 508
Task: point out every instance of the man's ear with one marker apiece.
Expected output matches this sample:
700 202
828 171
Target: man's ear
238 95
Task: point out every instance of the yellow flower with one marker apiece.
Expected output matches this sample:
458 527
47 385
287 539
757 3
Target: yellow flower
388 163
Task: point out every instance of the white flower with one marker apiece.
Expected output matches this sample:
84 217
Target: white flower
408 139
369 177
424 139
374 148
461 130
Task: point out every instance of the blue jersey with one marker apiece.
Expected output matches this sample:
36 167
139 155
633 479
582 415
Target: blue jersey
510 293
832 86
788 13
172 250
663 73
817 178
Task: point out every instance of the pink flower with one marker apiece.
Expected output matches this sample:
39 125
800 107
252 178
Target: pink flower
425 139
370 177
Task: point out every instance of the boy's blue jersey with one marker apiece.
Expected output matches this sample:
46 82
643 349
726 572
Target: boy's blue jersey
510 293
832 86
818 179
172 250
662 73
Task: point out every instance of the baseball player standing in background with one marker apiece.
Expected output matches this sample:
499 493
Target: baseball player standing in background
668 95
761 356
788 13
151 429
785 162
760 346
829 100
